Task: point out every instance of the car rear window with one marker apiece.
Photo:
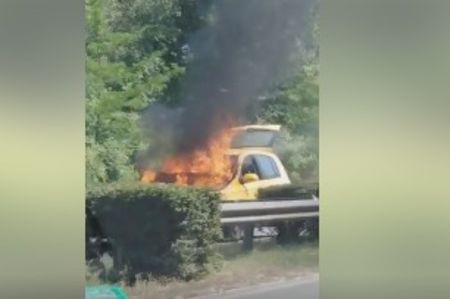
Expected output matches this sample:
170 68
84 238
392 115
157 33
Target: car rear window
253 138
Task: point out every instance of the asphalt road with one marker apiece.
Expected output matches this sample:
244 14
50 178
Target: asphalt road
300 289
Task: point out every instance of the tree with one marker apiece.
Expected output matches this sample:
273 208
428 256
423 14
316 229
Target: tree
294 104
133 57
136 56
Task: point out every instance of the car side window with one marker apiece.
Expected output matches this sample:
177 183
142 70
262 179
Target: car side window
267 167
249 166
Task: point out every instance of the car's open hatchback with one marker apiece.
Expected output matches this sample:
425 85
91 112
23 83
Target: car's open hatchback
261 136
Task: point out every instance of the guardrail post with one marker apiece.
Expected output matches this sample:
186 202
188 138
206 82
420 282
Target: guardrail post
247 244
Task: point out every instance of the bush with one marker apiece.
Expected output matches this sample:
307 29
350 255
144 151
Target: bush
157 230
288 191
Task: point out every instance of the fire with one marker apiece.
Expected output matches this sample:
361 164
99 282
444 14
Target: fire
209 166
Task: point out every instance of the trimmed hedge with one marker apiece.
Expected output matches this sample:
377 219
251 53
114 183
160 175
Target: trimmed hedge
287 191
157 230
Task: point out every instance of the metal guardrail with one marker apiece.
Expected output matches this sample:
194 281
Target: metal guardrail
268 211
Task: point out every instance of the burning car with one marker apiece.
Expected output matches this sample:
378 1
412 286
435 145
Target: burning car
237 161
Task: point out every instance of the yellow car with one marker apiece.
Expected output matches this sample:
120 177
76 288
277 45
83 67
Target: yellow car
256 166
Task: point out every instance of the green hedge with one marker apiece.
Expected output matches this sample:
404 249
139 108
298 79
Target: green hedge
158 230
288 191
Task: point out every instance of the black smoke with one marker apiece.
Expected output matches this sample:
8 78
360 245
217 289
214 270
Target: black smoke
249 47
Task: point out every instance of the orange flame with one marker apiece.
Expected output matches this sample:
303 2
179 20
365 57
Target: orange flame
209 166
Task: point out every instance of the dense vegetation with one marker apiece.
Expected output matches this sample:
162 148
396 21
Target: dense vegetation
140 53
155 230
137 53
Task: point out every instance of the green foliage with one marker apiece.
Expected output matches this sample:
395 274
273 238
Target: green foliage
134 56
288 191
294 105
159 230
299 154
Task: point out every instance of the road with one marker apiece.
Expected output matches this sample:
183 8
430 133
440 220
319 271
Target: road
300 289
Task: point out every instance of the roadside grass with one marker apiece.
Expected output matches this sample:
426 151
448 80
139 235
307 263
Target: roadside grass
269 256
266 263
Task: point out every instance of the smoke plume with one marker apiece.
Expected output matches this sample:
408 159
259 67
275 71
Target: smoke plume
248 48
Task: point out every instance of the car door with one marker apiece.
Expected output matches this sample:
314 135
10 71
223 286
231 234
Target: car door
267 170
